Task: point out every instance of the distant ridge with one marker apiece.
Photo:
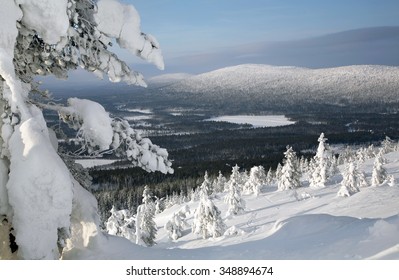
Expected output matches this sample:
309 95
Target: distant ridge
167 79
341 85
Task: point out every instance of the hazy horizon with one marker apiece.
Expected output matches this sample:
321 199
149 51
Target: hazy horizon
201 36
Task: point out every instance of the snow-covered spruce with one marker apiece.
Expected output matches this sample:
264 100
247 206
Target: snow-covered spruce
207 220
177 223
290 174
379 174
51 37
146 229
352 180
321 165
121 223
233 198
206 185
220 183
256 180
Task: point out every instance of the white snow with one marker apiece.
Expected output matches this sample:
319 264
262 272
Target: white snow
40 14
292 84
276 225
37 174
255 121
122 22
42 202
96 127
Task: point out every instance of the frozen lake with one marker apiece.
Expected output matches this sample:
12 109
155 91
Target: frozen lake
89 163
255 121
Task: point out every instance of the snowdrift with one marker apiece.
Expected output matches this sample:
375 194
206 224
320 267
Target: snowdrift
308 224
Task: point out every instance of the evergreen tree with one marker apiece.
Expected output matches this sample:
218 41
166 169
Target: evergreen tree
145 224
243 178
207 184
278 172
391 180
387 145
351 181
220 183
121 223
379 174
269 177
322 163
207 218
234 176
159 207
303 165
290 175
177 224
256 180
233 198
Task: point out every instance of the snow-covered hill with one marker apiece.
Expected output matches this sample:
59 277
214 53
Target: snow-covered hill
311 223
342 85
167 79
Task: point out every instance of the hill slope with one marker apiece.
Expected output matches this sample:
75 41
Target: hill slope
266 84
278 225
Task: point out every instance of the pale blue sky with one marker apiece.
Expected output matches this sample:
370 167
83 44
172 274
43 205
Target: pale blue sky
203 35
196 35
201 25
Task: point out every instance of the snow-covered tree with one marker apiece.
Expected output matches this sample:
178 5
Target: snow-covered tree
233 198
121 223
387 145
278 172
146 229
207 220
41 200
322 163
159 207
256 180
207 184
269 177
303 165
348 155
351 181
290 174
379 174
177 223
220 183
391 180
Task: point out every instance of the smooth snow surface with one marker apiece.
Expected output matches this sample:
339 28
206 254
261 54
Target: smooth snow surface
255 121
309 223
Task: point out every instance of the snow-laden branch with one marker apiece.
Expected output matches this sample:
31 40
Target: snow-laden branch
98 133
122 22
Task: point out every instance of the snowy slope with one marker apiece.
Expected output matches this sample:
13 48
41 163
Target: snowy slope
277 225
365 83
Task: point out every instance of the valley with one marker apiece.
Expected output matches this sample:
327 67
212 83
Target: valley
180 122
